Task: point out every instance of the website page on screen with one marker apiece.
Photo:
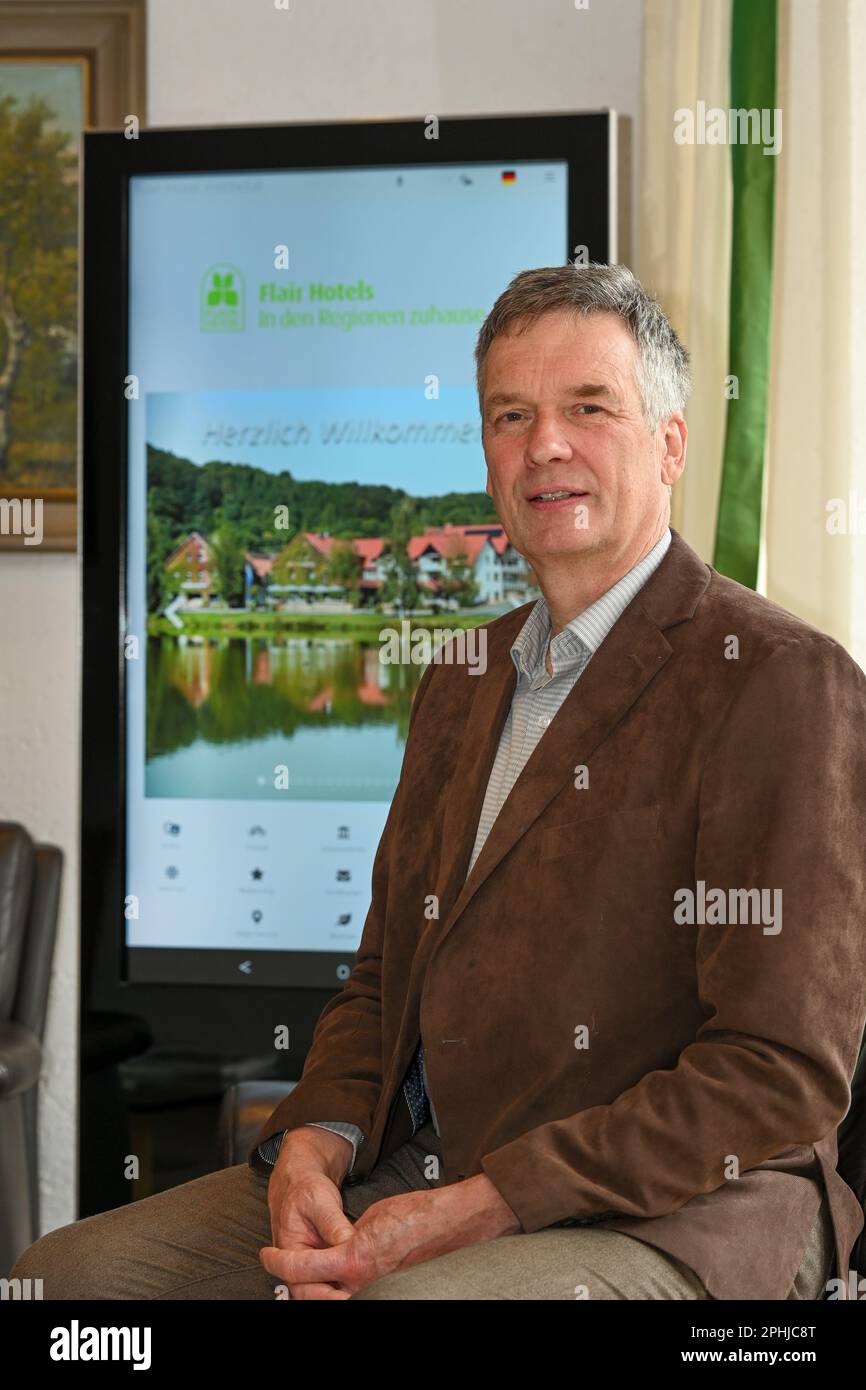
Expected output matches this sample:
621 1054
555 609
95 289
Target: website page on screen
305 473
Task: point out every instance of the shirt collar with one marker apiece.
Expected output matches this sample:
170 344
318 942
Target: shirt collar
579 639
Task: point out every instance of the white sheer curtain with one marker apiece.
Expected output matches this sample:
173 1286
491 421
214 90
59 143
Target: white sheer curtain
817 436
816 448
684 232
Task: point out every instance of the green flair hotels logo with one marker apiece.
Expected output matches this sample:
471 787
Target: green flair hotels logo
222 299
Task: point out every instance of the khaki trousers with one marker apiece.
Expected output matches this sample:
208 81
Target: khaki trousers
201 1240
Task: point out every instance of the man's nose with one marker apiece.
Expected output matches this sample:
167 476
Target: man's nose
547 440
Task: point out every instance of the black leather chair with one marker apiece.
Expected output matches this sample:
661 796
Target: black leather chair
30 876
247 1105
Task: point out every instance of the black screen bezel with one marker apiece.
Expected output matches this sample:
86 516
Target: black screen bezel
582 140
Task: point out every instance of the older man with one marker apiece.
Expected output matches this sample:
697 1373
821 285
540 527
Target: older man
611 987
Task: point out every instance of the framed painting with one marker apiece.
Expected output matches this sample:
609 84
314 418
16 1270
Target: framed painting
65 66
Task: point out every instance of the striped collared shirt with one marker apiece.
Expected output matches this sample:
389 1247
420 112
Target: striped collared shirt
537 697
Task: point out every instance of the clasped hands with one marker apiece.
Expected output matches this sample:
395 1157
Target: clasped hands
319 1253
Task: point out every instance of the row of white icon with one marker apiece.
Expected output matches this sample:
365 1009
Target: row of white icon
341 875
343 919
173 828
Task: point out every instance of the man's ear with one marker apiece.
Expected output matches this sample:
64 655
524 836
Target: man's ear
489 486
673 459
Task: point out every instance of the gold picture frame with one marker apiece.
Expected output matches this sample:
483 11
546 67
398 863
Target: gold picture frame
66 48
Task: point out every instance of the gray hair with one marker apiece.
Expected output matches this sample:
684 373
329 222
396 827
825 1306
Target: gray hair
662 369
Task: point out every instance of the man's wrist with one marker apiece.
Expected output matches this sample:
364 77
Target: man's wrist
490 1206
310 1147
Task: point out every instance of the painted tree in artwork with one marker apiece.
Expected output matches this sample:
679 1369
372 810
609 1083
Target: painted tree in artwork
38 297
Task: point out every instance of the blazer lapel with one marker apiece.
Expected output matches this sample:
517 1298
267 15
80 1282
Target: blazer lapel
633 653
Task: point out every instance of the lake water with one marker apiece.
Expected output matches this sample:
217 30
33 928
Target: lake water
223 713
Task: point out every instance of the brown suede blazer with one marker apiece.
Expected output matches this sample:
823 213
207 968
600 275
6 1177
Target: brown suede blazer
701 1116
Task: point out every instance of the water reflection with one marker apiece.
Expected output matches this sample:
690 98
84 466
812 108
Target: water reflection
223 712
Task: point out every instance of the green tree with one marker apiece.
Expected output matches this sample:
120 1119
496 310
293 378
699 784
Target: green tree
400 585
228 561
161 583
458 580
344 570
197 497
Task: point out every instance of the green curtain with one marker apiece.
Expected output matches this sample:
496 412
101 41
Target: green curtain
753 85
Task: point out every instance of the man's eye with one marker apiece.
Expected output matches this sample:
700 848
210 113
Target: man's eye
509 413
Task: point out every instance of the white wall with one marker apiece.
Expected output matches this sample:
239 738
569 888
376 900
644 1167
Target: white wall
223 62
218 62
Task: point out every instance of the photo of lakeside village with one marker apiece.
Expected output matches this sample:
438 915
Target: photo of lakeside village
267 600
277 551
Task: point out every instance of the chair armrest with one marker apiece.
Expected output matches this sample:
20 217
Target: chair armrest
245 1107
20 1059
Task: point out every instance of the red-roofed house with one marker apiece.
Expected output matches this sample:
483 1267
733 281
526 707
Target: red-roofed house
500 573
190 563
300 571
